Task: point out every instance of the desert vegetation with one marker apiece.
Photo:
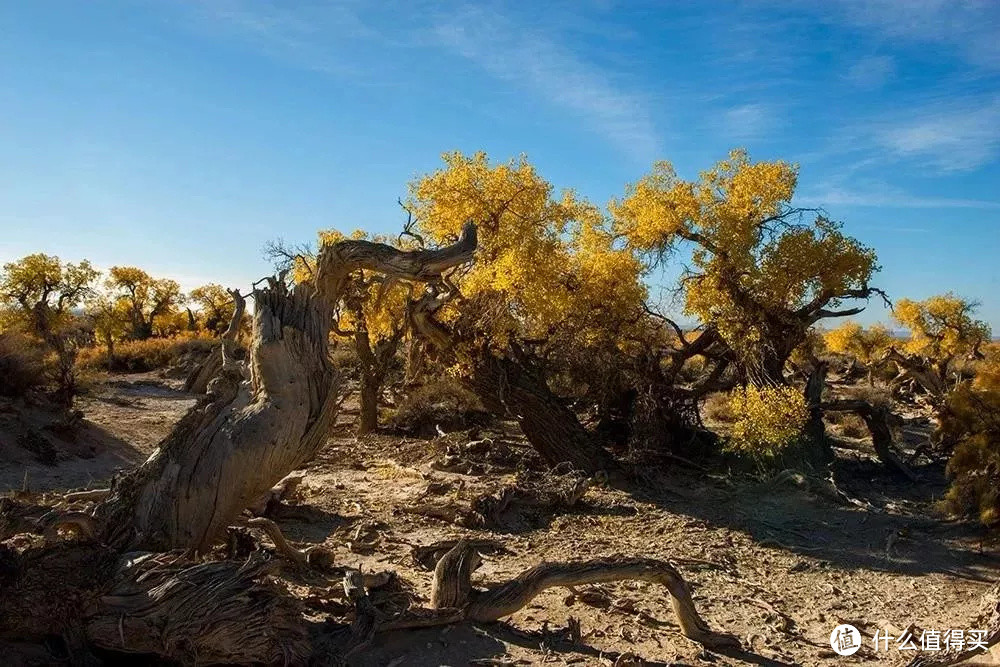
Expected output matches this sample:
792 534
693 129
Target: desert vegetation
505 311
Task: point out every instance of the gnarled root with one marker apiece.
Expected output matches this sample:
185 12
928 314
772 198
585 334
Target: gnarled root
455 599
314 556
214 612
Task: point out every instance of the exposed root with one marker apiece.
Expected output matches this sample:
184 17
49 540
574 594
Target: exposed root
315 556
215 612
91 495
454 598
281 491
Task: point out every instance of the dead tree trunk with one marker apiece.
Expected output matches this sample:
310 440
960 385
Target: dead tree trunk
241 439
246 435
933 378
815 430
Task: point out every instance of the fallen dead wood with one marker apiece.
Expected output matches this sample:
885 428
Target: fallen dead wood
530 490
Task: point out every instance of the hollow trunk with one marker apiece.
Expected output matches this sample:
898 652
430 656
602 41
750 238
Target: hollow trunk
241 439
507 386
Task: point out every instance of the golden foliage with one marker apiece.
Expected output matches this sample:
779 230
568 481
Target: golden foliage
751 256
142 297
42 291
546 263
971 421
138 356
864 344
768 420
941 327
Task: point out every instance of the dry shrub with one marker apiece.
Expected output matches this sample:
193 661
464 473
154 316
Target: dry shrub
22 364
344 358
719 408
692 370
440 402
139 356
852 426
877 396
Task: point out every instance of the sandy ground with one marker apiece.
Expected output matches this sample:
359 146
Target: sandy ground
775 565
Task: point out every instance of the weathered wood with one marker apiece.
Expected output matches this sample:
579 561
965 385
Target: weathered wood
249 432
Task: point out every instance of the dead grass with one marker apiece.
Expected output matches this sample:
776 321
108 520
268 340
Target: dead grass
718 408
140 356
440 402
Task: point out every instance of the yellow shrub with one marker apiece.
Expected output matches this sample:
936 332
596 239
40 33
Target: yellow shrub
768 420
970 422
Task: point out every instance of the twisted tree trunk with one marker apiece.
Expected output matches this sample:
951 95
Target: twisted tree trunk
510 387
244 436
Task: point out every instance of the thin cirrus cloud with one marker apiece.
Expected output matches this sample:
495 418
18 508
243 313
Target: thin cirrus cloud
747 121
549 70
507 49
957 137
871 72
885 196
968 27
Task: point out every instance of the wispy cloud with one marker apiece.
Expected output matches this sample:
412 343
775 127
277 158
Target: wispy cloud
871 72
885 196
553 72
747 121
959 136
969 27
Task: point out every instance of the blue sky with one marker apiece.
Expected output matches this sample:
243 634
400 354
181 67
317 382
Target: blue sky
180 137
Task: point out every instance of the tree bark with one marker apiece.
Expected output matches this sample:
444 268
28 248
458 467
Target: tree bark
369 391
815 429
245 436
240 439
877 420
511 387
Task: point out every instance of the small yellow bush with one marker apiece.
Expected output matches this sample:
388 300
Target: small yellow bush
970 422
768 420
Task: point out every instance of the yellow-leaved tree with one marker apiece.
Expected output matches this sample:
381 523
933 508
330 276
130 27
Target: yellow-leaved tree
761 270
41 292
942 328
867 345
213 307
143 298
548 274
